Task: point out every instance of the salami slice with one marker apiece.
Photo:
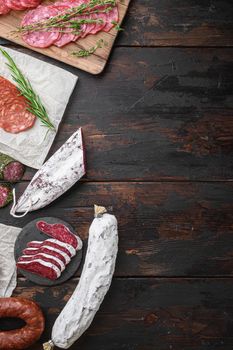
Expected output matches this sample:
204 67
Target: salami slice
14 116
48 250
5 195
30 3
40 38
40 267
10 169
4 9
15 5
45 257
64 247
111 17
13 172
58 231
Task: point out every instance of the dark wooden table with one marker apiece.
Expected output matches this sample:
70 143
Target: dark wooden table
158 127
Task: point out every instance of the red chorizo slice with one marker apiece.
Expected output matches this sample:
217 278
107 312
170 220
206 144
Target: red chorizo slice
14 114
28 311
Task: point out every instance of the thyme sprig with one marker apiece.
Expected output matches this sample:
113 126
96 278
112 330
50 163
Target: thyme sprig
66 16
86 53
35 105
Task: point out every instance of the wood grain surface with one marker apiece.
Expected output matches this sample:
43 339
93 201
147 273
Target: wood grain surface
145 314
158 126
93 64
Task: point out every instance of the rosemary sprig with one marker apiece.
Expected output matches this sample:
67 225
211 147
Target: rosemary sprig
85 53
24 86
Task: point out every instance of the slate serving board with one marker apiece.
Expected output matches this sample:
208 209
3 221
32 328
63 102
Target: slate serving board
31 233
94 63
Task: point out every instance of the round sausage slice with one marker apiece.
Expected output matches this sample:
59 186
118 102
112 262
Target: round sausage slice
14 114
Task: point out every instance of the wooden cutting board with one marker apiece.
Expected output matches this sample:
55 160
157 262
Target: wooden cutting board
94 64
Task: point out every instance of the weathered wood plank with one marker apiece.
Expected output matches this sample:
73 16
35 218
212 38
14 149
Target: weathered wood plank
144 314
156 114
166 229
182 23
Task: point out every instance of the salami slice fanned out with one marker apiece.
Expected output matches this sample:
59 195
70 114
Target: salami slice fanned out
64 247
105 12
55 177
14 114
48 250
46 257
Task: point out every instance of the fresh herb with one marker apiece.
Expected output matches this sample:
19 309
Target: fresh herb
86 53
117 26
24 86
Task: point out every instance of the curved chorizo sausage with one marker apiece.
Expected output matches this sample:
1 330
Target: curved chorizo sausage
28 311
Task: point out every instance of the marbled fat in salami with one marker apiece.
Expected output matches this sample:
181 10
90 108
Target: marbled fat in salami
14 116
40 38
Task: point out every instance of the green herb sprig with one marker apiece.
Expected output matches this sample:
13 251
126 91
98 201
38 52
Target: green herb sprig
24 86
86 53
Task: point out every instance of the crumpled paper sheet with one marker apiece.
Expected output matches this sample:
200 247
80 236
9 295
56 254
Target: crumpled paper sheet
54 86
8 273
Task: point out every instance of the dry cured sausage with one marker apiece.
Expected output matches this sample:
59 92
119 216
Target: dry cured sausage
5 195
14 114
10 169
28 311
55 177
93 285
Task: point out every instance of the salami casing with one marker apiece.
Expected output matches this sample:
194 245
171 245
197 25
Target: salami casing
94 283
55 177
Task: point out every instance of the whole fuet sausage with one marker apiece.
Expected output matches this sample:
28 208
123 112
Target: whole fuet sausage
30 313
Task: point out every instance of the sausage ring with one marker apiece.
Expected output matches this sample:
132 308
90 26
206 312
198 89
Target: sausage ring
28 311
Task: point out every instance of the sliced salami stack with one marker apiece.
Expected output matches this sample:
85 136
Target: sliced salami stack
18 5
105 21
49 258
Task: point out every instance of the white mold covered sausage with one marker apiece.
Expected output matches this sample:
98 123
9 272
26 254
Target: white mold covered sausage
93 285
57 175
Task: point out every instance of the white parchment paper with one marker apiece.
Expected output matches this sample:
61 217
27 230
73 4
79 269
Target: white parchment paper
54 86
8 274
